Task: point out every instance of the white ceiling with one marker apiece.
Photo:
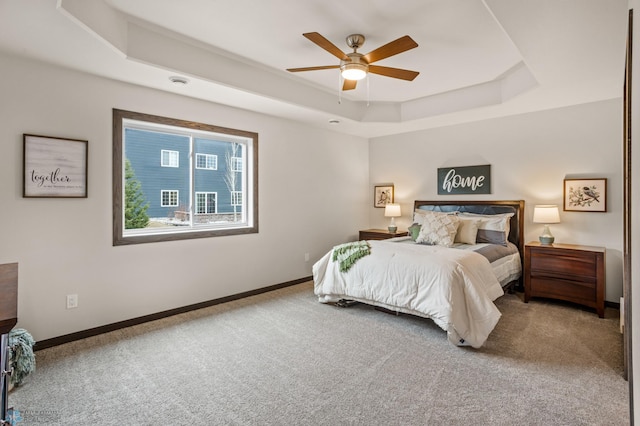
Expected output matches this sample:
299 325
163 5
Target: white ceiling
477 59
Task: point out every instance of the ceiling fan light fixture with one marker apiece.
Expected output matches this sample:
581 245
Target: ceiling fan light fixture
355 66
353 71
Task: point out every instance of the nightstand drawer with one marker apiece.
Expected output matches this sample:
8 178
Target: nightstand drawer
565 265
572 291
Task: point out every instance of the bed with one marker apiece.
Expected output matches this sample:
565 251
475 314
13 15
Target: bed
459 257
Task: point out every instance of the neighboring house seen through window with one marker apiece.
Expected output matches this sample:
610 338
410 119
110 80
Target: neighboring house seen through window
190 194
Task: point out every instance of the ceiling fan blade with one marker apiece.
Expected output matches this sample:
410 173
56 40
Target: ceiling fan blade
324 67
392 48
326 45
393 72
349 84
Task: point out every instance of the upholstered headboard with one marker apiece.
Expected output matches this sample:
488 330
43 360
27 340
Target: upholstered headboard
516 231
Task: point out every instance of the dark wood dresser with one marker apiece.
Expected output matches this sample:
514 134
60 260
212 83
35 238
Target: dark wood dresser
568 272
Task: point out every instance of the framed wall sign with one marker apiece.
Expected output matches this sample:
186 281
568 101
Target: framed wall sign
585 195
464 180
54 167
382 195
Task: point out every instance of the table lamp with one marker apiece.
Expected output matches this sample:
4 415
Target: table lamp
546 214
392 211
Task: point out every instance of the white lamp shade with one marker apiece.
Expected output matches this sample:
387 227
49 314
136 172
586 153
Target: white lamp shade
392 210
546 214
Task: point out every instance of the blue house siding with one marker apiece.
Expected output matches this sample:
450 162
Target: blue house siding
144 149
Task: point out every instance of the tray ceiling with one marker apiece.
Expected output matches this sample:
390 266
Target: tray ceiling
477 59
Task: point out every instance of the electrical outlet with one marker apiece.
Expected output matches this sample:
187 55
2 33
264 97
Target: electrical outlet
72 301
306 257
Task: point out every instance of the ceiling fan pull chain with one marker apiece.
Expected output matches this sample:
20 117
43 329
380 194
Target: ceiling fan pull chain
340 82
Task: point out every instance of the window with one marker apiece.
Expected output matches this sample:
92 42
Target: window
190 194
236 164
236 198
170 158
206 161
205 202
169 198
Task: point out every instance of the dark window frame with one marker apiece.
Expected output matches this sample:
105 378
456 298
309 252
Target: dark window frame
118 181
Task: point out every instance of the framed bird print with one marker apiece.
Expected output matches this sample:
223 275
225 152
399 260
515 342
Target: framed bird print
585 195
382 195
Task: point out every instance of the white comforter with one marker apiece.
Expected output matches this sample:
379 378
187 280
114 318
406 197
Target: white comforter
455 288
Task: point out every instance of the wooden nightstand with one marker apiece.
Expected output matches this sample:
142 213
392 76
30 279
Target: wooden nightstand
565 271
379 234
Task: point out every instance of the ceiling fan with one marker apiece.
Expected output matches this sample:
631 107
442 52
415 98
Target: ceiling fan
355 66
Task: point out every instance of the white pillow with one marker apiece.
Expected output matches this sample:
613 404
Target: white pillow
418 216
467 231
438 229
493 228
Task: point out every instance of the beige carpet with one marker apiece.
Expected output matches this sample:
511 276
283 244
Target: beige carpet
282 358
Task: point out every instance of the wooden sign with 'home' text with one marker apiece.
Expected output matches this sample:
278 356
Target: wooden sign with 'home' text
464 180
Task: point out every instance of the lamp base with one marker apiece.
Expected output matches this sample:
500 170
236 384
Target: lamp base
546 240
392 229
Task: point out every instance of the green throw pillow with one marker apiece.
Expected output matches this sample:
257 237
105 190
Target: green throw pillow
414 231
